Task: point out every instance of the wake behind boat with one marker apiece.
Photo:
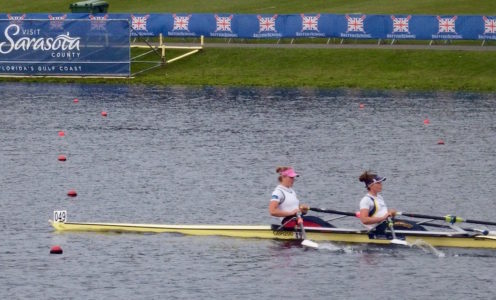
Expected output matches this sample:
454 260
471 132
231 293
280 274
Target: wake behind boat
448 238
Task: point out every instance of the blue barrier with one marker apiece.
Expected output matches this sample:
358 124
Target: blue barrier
354 26
63 47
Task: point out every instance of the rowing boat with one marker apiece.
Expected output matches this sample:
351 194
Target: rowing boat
434 238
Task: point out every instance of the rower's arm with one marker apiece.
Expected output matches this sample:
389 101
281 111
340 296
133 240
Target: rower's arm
364 217
276 212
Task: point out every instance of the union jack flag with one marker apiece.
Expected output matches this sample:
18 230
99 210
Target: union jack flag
489 25
98 22
267 23
181 22
57 22
16 19
223 23
401 24
139 22
447 25
310 22
355 24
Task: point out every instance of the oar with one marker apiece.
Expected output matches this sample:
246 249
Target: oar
448 218
331 211
306 242
482 231
395 240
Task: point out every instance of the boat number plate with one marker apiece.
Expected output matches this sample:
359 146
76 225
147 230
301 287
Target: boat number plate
60 216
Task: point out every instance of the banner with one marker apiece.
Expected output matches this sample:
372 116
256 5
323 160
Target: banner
353 26
275 26
59 46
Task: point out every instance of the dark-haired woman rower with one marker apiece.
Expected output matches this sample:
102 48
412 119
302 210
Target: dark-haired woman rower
285 204
373 210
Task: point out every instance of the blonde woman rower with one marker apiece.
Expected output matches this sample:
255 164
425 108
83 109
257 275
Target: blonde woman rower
285 204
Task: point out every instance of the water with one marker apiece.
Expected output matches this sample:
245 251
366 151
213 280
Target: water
208 155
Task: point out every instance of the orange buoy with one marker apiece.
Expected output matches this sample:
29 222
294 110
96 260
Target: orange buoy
62 157
104 113
71 193
440 142
76 100
56 250
61 133
427 122
362 106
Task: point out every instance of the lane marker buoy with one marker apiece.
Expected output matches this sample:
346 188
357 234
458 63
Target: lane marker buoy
62 157
71 193
56 250
104 113
61 133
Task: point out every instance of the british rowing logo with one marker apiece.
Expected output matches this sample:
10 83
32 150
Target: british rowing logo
57 22
401 28
489 29
400 25
310 26
16 19
447 25
267 27
446 28
267 24
181 23
355 27
98 22
355 24
489 25
310 23
223 27
223 24
138 23
180 26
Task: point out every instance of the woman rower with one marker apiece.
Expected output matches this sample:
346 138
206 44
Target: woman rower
285 204
373 210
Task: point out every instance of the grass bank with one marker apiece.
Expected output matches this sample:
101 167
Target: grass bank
326 68
330 68
486 7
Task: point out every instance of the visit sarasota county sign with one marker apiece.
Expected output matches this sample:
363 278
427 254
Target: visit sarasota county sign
62 47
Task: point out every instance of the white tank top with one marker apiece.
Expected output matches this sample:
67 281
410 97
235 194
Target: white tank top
286 198
368 202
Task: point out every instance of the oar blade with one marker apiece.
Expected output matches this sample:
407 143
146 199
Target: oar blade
310 244
488 237
399 242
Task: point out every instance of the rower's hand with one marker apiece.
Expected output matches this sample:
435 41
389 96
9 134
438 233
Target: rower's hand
392 212
299 220
304 208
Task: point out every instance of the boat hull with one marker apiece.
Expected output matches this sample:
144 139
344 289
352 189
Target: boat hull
437 239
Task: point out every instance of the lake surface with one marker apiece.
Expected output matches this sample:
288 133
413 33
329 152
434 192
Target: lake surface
208 155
